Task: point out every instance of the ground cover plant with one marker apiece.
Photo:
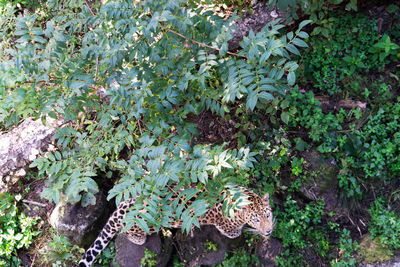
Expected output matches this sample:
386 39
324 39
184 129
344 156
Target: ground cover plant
16 230
151 98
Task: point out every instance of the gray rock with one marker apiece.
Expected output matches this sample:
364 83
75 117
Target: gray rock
80 224
129 254
207 246
21 146
267 250
324 184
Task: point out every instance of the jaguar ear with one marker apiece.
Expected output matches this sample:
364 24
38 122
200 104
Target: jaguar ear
265 199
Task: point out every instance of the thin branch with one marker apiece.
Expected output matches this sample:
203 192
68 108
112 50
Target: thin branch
90 9
34 203
97 68
199 43
140 128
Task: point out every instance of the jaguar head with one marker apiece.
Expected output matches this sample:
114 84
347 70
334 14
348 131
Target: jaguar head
259 216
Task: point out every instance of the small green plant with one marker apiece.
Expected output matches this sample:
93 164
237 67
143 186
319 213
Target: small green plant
330 63
305 112
297 165
149 259
347 248
295 223
107 256
20 4
384 224
3 3
60 252
381 140
176 261
315 8
384 48
16 230
300 228
210 246
239 257
289 258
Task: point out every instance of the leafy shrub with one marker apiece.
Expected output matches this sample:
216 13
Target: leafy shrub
330 62
60 252
305 112
381 140
314 8
159 70
149 258
239 258
347 248
383 49
299 229
16 230
384 224
366 148
3 3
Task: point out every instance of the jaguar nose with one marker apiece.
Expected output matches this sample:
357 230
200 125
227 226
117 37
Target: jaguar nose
268 232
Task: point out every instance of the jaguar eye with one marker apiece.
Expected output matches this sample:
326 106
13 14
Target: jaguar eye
256 220
268 215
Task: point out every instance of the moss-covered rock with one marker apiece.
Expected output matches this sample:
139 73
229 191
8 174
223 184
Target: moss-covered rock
372 251
323 180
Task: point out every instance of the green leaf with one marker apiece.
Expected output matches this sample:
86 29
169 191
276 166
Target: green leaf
50 156
147 216
392 8
75 85
21 31
37 31
301 145
291 78
299 42
88 199
285 103
304 23
23 39
291 48
142 224
285 117
39 39
58 155
264 57
303 35
266 96
251 100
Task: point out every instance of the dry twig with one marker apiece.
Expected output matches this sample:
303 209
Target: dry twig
34 203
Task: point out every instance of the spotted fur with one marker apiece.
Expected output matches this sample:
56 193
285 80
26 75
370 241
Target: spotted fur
257 215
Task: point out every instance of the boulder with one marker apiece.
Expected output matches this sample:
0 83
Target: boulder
372 253
129 254
206 246
80 224
22 145
267 250
324 183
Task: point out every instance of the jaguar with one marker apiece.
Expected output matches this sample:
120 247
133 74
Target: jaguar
257 214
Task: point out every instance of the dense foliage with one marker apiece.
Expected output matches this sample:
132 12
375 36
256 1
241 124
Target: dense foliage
160 62
150 99
16 230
